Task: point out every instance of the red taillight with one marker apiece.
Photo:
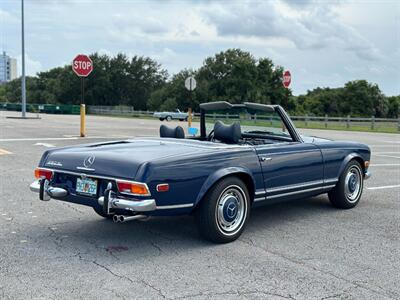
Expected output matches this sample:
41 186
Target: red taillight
133 188
43 173
162 187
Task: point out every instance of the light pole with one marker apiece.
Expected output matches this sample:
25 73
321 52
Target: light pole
23 88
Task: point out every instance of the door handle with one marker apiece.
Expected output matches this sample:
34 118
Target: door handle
264 158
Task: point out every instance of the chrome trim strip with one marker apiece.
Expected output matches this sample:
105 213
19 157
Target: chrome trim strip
259 199
175 206
329 186
85 169
260 192
294 186
295 192
331 180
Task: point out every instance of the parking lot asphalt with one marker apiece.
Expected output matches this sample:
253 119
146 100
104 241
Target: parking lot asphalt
297 250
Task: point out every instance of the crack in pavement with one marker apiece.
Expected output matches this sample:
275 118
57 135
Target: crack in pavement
108 270
154 288
145 283
356 284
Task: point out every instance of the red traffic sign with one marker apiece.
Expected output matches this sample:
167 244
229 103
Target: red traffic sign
287 79
82 65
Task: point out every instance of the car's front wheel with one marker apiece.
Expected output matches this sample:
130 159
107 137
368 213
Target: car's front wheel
348 190
223 213
168 118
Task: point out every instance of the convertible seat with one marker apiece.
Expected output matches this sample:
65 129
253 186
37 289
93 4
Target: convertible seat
229 134
167 132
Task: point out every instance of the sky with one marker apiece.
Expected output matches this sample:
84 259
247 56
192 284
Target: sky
322 43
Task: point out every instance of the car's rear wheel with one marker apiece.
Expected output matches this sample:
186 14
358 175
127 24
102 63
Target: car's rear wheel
101 213
168 118
348 190
161 119
223 213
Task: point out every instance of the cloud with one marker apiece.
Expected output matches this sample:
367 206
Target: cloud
32 67
307 27
335 41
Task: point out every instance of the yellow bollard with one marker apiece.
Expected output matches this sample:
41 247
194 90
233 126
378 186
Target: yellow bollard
83 125
190 117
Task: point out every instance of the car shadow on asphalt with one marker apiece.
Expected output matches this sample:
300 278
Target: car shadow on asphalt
176 234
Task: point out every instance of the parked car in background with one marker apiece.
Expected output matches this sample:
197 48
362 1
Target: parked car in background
167 115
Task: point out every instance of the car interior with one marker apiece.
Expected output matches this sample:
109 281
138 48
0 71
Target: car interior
262 124
227 134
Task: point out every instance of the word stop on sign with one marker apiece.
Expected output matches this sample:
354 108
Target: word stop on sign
85 65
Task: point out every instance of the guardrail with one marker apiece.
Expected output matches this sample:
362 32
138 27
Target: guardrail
317 122
328 122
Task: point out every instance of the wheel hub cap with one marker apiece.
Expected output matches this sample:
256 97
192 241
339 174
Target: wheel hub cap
353 184
230 209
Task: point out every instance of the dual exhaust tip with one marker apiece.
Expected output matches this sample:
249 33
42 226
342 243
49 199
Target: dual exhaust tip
122 218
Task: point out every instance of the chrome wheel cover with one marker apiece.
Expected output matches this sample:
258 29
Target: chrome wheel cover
231 210
353 184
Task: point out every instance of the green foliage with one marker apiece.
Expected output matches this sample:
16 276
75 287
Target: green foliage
232 75
114 81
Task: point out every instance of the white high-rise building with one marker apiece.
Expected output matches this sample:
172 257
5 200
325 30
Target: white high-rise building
8 68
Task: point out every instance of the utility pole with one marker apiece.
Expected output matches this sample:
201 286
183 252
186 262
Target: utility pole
23 88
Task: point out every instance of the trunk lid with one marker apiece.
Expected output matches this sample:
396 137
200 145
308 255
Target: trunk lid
121 159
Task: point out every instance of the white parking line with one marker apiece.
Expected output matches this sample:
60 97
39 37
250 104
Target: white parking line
393 152
45 145
384 155
64 139
383 187
384 165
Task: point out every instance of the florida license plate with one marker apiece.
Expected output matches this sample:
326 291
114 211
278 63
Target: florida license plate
86 186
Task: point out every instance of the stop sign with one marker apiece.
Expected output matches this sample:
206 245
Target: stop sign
82 65
287 78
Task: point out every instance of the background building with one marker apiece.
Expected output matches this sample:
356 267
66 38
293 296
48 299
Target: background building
8 68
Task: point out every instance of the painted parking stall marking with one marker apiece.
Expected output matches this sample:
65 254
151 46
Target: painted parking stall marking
4 152
384 187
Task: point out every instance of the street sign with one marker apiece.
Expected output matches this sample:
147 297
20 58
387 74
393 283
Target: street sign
190 83
82 65
287 79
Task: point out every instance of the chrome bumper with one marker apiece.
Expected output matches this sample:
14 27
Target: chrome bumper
135 206
48 191
113 202
367 175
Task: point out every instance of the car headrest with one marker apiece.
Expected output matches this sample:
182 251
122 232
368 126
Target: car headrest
230 134
167 132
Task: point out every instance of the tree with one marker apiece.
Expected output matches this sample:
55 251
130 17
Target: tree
361 98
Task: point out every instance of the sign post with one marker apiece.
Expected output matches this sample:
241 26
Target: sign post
287 79
82 66
190 84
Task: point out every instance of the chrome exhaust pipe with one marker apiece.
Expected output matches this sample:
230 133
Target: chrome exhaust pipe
122 218
116 218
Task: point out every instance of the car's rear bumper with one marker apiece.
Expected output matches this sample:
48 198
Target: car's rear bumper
49 192
367 175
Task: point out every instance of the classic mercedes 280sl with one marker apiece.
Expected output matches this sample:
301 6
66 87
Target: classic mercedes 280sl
245 155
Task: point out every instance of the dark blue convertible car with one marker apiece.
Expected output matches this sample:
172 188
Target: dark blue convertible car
245 155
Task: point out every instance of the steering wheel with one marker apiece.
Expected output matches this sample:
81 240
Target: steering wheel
210 135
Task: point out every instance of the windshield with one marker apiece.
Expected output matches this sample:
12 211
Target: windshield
253 123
